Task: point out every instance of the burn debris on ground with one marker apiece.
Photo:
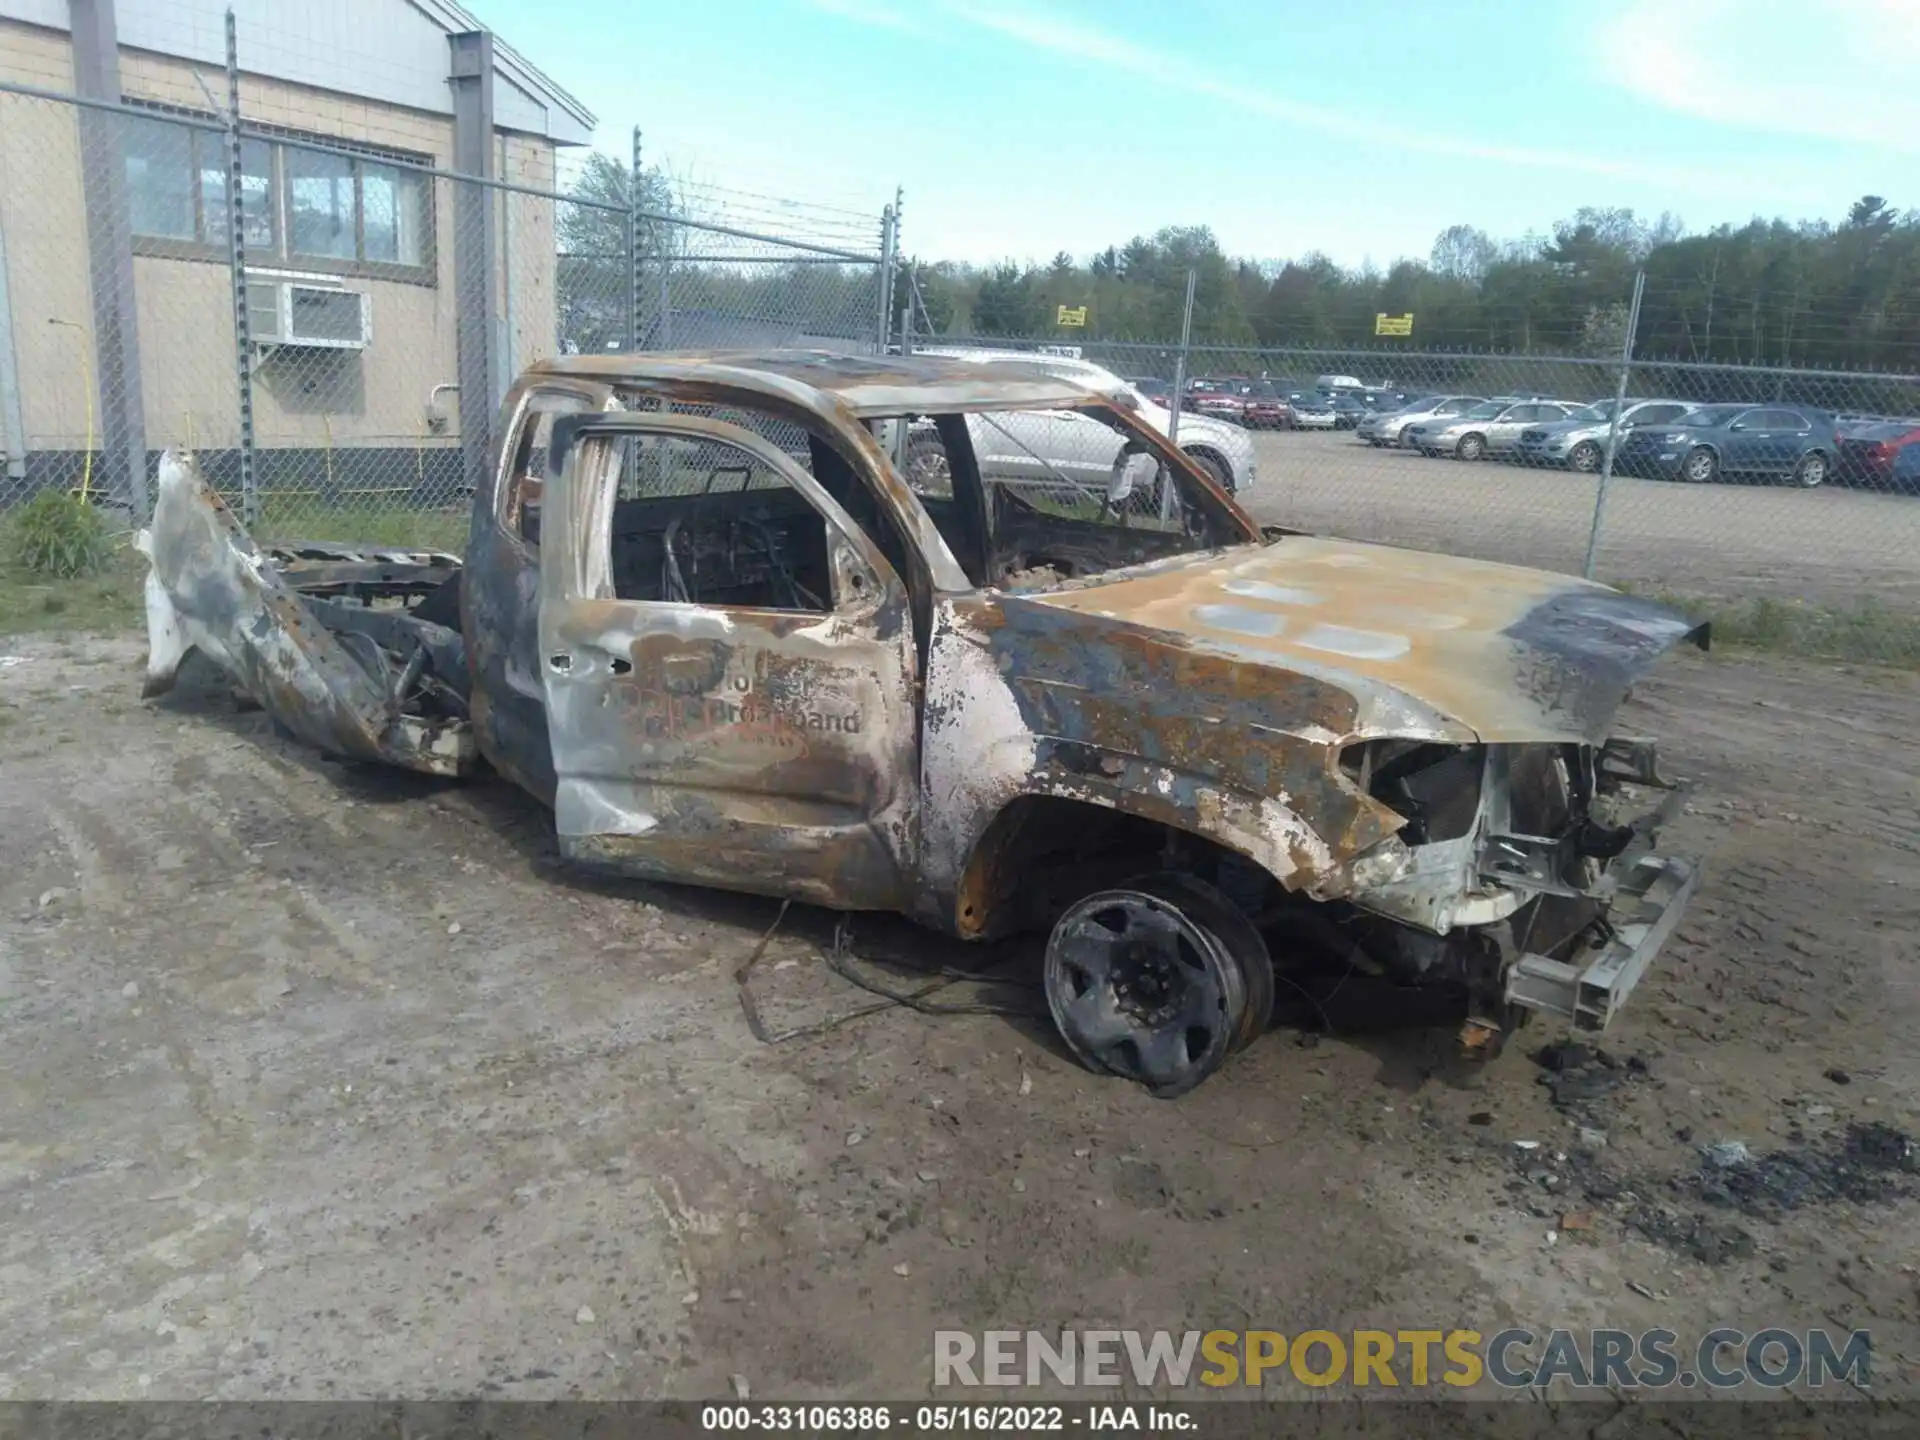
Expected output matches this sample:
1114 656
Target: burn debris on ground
1577 1075
1698 1212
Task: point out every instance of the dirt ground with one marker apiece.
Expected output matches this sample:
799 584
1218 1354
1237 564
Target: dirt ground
1833 545
325 1081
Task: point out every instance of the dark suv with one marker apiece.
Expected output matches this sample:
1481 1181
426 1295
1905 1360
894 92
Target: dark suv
1711 442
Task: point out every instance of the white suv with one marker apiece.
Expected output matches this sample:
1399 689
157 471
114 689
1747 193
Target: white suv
1026 444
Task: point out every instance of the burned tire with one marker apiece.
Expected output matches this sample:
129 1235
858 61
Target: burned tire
1149 981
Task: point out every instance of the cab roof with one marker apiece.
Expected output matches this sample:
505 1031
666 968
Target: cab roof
868 385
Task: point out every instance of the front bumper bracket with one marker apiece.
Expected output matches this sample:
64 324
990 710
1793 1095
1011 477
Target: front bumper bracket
1589 990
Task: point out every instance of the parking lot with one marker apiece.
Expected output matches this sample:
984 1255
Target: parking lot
328 1080
1831 545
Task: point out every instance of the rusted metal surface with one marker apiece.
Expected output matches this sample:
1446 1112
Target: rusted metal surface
898 746
210 588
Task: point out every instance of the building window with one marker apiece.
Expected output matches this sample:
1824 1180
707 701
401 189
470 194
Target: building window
299 205
177 184
345 208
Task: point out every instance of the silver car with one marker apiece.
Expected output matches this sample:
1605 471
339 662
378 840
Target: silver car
1490 429
1056 446
1391 427
1580 441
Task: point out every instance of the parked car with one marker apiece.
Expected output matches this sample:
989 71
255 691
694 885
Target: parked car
1751 441
1264 407
1222 399
1580 441
1393 427
1490 429
1870 454
1307 410
1348 409
1036 446
1905 476
716 666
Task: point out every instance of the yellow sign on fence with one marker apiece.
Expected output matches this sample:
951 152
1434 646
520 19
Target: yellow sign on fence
1070 315
1393 324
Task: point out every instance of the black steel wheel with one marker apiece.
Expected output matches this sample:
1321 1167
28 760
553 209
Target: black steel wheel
1142 985
1218 911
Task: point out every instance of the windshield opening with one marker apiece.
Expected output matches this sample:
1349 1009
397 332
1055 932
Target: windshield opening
1060 494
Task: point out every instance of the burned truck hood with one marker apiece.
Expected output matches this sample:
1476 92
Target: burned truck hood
1424 644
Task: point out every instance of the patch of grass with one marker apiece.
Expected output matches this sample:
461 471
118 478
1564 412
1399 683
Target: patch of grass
295 517
57 536
106 601
1865 632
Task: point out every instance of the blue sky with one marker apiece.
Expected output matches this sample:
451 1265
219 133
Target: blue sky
1020 127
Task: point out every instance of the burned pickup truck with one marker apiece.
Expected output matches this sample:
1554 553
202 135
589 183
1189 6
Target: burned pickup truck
707 619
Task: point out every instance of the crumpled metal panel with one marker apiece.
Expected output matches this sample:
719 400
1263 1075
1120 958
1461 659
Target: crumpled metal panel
212 589
1421 645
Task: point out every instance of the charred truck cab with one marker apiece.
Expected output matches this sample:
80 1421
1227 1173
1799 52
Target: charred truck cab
837 629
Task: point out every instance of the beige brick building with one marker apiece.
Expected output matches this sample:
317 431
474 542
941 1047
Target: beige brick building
379 294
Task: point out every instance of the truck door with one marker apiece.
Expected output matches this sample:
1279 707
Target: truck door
500 595
728 666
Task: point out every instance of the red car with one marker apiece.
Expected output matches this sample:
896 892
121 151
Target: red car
1264 407
1868 453
1222 399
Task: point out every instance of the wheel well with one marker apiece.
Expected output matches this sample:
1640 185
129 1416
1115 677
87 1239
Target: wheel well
1042 852
1207 452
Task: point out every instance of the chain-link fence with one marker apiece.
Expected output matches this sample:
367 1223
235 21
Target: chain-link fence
330 323
1785 502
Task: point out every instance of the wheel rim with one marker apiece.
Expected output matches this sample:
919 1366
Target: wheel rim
1139 990
1700 466
1471 448
1813 471
1585 457
929 469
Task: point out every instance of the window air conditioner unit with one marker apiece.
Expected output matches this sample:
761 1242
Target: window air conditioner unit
293 313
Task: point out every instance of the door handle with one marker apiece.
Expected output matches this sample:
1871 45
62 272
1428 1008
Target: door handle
560 661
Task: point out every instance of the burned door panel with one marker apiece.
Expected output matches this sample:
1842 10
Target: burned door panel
500 609
727 667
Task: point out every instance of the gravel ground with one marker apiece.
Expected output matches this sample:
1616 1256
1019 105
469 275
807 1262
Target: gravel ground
328 1081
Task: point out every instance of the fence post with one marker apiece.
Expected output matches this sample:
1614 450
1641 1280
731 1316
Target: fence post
884 277
1613 425
115 332
475 258
633 247
237 271
1179 384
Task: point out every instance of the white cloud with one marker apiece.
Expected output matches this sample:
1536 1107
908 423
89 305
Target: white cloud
1085 44
1826 69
